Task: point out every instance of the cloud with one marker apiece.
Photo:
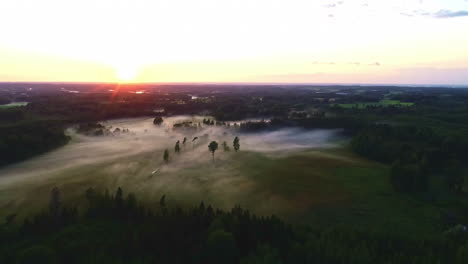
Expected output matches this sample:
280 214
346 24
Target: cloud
356 63
443 13
333 4
449 14
324 62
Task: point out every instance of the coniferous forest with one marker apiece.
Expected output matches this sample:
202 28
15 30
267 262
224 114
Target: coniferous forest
117 228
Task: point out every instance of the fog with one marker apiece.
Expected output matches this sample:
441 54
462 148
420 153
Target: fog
134 160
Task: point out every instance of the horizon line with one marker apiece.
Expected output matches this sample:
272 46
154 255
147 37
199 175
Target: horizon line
243 83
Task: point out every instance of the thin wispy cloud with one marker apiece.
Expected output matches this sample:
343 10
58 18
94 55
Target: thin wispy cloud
450 14
333 4
355 63
443 13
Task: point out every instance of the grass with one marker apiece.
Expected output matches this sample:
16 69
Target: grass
321 188
382 103
337 188
11 105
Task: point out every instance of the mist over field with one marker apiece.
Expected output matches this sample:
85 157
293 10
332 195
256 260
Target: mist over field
134 161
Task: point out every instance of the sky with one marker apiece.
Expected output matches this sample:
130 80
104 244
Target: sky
275 41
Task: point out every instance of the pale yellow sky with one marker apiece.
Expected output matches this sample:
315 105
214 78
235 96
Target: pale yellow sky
348 41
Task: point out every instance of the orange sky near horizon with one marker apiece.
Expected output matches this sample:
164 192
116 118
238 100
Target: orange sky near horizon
348 41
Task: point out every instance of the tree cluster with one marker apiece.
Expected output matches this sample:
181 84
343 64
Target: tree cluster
117 228
24 140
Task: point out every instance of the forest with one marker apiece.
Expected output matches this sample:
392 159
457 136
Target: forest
117 228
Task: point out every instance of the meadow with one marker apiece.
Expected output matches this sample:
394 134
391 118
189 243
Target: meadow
15 104
305 177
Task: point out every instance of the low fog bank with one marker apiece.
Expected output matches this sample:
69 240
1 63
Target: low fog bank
134 160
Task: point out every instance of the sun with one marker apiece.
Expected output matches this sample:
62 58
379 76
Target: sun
126 72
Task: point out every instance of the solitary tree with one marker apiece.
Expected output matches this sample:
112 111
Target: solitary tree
236 144
162 201
213 146
166 155
158 120
193 141
177 147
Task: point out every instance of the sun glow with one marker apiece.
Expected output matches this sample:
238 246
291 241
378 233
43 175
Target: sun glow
224 40
126 72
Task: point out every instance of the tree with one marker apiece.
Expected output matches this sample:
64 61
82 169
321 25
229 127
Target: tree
166 155
158 120
454 176
37 254
213 146
177 147
226 147
119 197
54 204
90 195
221 247
236 144
162 201
193 140
462 254
407 177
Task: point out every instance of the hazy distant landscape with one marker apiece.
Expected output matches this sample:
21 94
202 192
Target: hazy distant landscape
357 158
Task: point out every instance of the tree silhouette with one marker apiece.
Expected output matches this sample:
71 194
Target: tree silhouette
119 197
162 201
55 203
213 146
158 121
193 140
221 247
177 147
166 155
236 144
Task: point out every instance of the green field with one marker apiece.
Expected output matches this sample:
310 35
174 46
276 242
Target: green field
10 105
382 103
316 187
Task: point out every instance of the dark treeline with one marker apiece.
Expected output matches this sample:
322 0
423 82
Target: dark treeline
415 153
26 139
349 125
118 229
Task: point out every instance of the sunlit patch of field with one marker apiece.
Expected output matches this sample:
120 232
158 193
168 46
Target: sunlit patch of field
11 105
381 103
